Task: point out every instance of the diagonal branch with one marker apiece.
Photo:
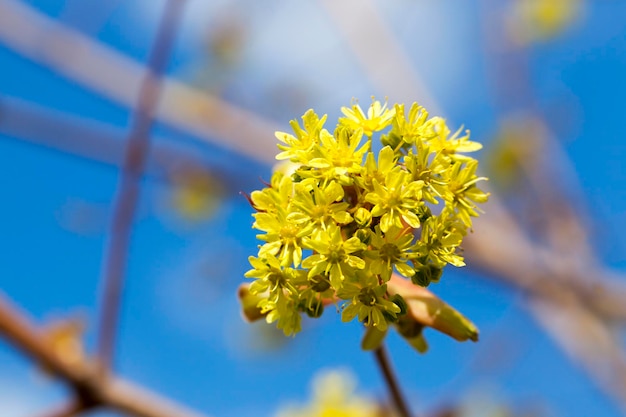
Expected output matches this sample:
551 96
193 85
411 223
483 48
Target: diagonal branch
93 388
587 340
90 139
109 73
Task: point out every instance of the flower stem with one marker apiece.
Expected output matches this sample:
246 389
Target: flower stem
382 359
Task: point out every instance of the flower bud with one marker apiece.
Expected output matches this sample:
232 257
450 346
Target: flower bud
363 217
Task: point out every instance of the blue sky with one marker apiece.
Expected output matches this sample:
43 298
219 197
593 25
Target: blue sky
181 332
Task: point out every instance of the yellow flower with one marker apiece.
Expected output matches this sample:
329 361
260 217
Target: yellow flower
297 148
333 396
448 145
368 303
396 200
333 256
536 20
378 117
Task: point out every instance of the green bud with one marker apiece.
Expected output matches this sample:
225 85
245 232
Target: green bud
315 310
319 283
392 140
423 213
427 274
409 328
364 235
399 301
363 217
249 303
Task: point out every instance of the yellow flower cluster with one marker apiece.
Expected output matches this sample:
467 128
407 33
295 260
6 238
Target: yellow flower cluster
348 217
334 396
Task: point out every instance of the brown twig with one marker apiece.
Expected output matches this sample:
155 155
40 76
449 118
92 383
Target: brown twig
95 141
128 191
107 72
384 364
92 387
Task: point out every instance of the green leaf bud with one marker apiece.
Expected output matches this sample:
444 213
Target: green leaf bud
319 283
315 310
363 217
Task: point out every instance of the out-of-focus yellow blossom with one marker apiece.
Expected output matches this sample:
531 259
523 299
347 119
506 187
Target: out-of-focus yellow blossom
196 194
333 396
337 227
537 20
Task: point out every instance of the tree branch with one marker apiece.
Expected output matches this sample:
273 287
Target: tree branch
93 387
107 72
90 139
128 192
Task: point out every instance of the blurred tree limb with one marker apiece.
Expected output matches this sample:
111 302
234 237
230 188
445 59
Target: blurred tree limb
111 74
103 143
92 388
135 159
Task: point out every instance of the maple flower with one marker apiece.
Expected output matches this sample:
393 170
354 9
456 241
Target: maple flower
368 302
333 256
395 200
390 249
298 148
378 117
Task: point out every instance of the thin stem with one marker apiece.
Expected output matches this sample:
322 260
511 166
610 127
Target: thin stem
382 359
128 190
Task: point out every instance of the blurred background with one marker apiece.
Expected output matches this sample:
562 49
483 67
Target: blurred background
541 83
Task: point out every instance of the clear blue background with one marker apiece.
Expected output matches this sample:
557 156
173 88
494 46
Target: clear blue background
181 332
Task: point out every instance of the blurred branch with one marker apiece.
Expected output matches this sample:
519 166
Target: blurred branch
539 269
135 158
93 389
379 52
89 139
115 76
586 338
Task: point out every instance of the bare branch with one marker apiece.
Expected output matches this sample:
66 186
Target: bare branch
369 35
128 190
587 340
105 71
92 387
90 139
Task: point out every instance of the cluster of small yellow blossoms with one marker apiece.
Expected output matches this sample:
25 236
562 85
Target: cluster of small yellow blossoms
334 396
336 228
